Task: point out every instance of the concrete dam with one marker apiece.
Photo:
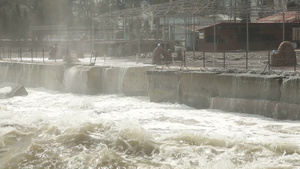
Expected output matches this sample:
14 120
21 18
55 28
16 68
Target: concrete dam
271 95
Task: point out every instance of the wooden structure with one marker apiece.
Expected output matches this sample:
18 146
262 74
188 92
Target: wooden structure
233 36
264 34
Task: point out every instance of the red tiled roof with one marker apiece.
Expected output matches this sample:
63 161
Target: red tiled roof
289 17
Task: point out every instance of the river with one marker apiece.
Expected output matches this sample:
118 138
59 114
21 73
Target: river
49 129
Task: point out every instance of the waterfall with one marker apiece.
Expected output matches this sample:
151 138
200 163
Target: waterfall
191 82
4 73
236 86
179 92
122 73
107 80
10 73
113 79
25 74
30 74
75 79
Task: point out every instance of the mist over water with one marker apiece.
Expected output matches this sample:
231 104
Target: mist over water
49 129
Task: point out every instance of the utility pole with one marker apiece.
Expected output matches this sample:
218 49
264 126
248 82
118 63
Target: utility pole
234 10
283 26
194 39
110 18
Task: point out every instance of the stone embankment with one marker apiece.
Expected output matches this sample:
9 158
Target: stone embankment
270 94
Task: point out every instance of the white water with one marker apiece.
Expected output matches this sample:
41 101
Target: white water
75 79
48 129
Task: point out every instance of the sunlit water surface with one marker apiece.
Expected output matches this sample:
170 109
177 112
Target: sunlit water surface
48 129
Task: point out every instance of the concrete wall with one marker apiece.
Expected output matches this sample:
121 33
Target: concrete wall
79 79
197 89
131 81
247 86
33 75
163 86
268 95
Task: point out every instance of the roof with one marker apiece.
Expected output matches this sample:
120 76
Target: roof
226 24
289 17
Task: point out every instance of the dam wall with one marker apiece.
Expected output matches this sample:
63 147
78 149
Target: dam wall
33 75
80 79
268 95
273 95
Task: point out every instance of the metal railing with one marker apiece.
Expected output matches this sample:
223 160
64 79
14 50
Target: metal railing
243 60
215 60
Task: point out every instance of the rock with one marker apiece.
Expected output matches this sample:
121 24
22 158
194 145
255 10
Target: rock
285 56
70 59
57 52
8 90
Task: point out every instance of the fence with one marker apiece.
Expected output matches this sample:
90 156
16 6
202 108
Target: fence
215 60
29 54
259 60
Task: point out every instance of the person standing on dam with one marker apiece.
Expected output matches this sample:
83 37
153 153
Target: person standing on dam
159 55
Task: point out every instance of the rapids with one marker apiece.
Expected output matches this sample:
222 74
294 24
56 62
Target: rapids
49 129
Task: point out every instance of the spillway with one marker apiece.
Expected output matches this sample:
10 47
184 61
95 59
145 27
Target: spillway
272 95
77 116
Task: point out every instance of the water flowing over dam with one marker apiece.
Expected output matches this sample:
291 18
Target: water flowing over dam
79 116
270 95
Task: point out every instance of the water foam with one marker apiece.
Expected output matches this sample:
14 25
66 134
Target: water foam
63 130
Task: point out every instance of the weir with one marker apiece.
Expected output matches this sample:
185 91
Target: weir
273 96
75 79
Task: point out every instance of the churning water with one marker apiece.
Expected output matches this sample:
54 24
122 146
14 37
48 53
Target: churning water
48 129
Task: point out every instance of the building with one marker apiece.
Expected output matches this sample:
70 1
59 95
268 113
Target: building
264 34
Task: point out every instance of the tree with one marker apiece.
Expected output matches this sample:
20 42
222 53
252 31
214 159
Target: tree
103 7
16 22
84 11
245 8
118 5
4 24
25 26
293 4
5 17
